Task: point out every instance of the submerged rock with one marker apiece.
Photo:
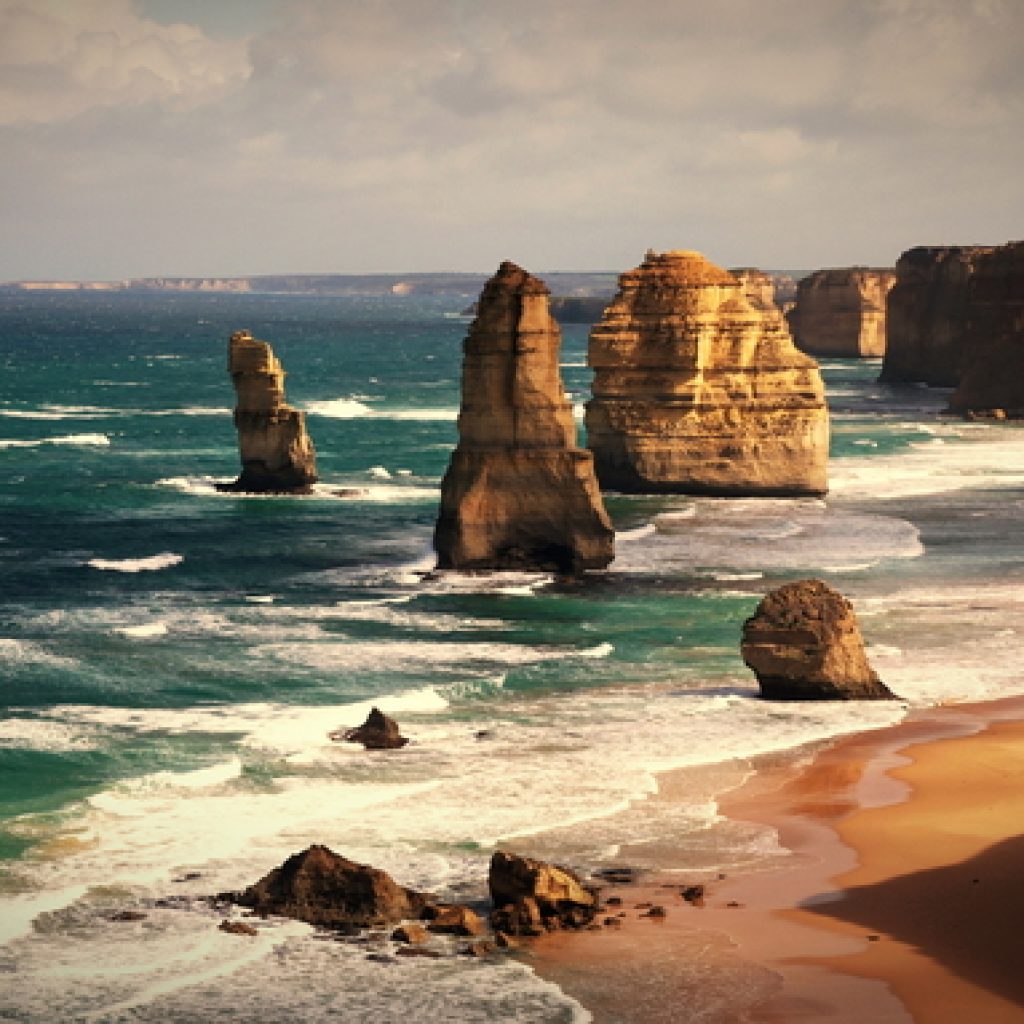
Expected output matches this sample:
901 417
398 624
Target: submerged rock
530 896
277 453
841 312
378 732
699 390
804 643
518 493
992 383
322 888
927 314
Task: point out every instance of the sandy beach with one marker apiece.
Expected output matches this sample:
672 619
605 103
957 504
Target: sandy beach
897 901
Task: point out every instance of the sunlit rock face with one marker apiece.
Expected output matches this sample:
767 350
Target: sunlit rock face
277 453
518 493
841 312
992 381
926 315
697 389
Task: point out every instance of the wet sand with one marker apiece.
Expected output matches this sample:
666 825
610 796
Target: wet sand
899 901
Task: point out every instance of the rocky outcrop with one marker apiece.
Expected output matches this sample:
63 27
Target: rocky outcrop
804 643
992 382
927 314
277 453
841 312
322 888
518 493
697 390
378 732
758 287
530 896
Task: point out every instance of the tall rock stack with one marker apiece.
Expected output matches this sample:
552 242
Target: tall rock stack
698 391
277 454
926 316
992 383
519 493
841 312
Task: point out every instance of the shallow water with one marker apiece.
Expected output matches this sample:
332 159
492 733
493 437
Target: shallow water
172 658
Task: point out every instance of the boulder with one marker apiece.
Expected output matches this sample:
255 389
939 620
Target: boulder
322 888
927 314
803 643
530 896
378 732
277 453
446 919
518 493
698 388
992 382
840 312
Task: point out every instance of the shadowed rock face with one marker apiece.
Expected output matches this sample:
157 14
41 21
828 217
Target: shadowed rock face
518 493
804 643
992 382
927 314
699 390
277 453
841 312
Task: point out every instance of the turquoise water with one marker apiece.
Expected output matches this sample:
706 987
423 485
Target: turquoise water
172 658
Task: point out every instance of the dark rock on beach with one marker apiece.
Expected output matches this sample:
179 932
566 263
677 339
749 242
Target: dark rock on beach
804 643
378 732
530 896
322 888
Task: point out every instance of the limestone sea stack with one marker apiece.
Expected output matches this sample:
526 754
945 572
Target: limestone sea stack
697 390
927 313
841 312
992 382
803 643
518 493
277 453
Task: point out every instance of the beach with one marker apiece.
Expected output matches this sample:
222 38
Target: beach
898 899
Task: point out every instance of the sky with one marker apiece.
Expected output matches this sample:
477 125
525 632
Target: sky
237 137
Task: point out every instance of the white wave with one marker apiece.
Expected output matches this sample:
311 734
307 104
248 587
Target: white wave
150 564
75 440
602 650
379 472
737 577
207 487
60 412
211 777
44 734
145 629
260 598
638 533
29 652
512 583
350 408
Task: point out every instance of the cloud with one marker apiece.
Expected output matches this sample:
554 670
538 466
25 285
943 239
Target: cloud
384 134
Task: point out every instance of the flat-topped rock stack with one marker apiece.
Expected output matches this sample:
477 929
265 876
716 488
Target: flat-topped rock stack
699 391
277 454
992 380
927 314
518 493
841 312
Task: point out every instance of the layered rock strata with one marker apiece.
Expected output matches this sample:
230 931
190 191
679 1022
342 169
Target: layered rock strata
518 493
804 643
992 383
277 453
841 312
927 315
697 390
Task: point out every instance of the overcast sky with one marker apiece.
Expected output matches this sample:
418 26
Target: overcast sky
231 137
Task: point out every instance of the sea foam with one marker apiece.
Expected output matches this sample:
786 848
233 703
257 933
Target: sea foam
152 563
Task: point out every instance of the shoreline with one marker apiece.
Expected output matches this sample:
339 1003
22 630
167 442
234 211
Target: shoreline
884 839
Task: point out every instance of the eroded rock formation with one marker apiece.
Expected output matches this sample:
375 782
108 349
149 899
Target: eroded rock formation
322 888
697 390
378 732
803 643
992 382
841 312
518 493
531 896
927 314
277 453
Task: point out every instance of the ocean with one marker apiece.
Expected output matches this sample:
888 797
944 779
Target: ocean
172 659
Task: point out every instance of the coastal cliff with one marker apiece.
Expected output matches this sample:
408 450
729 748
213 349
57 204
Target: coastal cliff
697 390
277 454
992 382
927 314
841 312
518 493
